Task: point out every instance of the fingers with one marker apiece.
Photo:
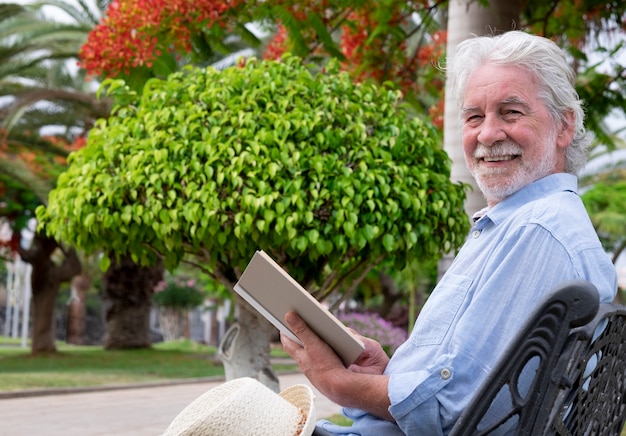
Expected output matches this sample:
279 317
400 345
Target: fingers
287 341
313 348
296 325
289 345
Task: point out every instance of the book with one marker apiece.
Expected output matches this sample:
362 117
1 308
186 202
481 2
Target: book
267 287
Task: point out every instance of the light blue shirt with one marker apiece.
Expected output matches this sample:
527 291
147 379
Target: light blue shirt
514 254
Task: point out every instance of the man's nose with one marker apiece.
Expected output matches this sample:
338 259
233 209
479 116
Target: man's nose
491 131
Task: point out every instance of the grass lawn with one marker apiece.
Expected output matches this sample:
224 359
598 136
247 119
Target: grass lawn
79 366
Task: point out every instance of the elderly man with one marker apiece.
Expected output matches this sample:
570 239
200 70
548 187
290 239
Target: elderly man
524 142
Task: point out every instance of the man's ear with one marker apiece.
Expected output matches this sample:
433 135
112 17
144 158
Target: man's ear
566 130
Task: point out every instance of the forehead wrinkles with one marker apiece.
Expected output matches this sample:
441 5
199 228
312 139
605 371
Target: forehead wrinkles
494 83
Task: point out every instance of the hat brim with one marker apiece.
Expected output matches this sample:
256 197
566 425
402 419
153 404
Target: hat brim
302 397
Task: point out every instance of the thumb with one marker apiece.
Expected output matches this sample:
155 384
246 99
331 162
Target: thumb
294 321
299 327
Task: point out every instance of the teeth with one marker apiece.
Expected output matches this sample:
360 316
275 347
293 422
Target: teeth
497 158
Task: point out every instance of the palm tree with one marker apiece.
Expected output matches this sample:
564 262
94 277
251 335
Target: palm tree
47 94
467 18
41 92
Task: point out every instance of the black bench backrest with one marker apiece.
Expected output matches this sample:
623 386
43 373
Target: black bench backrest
564 373
594 399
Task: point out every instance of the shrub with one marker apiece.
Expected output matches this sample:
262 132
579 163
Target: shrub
174 298
178 293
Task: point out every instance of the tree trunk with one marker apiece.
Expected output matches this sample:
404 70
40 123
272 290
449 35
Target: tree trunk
245 348
173 322
77 310
44 320
465 18
46 278
128 289
390 293
215 325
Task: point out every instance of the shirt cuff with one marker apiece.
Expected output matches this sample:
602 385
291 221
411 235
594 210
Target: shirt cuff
413 397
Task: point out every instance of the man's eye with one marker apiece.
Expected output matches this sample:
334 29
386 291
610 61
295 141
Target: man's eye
473 118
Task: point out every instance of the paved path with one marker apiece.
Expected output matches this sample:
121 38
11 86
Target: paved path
122 412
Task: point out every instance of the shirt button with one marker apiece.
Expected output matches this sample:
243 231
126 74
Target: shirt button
476 234
445 374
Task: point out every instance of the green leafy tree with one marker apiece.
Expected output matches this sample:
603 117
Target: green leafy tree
387 40
175 297
330 177
605 201
46 94
36 88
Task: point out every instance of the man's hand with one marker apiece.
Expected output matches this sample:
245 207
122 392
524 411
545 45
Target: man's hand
325 370
316 359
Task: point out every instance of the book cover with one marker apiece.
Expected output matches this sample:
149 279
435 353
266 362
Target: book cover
267 287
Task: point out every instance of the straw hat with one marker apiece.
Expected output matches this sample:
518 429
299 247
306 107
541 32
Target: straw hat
246 407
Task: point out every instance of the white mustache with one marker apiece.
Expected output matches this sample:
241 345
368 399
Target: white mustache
507 148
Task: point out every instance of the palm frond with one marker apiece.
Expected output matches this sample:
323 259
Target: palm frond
82 12
299 46
10 10
18 171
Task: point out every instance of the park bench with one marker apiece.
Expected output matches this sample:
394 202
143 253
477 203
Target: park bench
564 374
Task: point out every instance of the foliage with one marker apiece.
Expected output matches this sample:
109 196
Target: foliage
606 204
371 325
378 40
34 51
314 169
593 33
390 40
15 200
175 297
140 33
178 292
585 19
40 93
340 419
212 289
416 281
381 41
603 95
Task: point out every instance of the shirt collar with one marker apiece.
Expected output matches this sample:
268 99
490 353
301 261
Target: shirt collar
539 189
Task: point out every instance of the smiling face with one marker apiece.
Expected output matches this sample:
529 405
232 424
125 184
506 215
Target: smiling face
509 138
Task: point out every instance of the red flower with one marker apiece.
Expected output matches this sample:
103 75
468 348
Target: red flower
135 32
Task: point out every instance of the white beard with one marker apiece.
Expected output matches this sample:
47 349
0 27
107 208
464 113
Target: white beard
497 184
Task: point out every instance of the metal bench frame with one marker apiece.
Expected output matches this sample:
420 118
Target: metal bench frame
578 348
